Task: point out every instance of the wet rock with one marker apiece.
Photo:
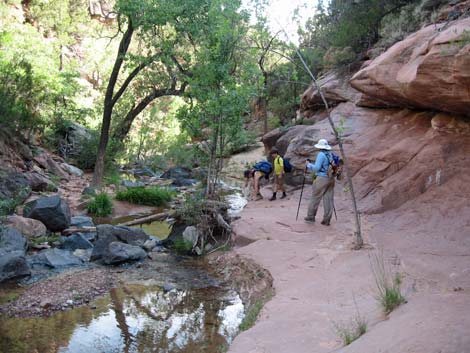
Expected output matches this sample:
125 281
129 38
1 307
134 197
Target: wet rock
31 228
191 235
13 265
76 241
132 184
118 252
108 234
12 240
55 258
52 211
72 170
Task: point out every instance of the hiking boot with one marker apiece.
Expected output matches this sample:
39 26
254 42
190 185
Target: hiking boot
325 223
272 198
309 220
283 195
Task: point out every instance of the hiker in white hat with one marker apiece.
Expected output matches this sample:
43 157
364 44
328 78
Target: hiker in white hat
323 185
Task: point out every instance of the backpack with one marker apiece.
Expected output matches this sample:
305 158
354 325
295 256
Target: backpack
265 167
333 164
287 166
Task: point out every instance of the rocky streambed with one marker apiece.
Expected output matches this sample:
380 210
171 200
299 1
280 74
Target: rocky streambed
118 289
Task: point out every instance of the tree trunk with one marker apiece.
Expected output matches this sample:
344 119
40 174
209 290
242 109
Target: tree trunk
125 126
108 107
358 232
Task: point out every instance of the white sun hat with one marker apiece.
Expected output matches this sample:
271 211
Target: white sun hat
323 145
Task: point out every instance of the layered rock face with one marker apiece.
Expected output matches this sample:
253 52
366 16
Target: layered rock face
396 154
428 70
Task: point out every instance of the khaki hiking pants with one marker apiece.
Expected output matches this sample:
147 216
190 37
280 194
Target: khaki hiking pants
323 187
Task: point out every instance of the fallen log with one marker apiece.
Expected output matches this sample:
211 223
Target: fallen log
135 222
148 219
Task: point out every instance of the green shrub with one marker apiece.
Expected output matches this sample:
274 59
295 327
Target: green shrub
182 246
152 196
7 207
101 206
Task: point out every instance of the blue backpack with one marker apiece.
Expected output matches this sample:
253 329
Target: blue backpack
265 167
287 166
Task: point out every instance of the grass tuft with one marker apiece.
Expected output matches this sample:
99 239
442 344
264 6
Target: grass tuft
389 293
152 196
101 206
351 332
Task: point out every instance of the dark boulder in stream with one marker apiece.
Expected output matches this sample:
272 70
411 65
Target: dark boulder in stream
76 241
55 258
108 234
117 253
13 265
52 211
12 240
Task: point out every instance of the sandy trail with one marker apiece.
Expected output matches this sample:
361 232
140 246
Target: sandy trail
320 283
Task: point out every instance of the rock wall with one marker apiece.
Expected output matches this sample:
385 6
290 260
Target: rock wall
418 140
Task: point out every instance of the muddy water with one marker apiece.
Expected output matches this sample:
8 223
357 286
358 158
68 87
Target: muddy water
133 318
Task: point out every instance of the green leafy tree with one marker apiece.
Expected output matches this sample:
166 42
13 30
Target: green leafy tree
222 84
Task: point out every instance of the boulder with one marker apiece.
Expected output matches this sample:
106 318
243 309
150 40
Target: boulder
177 173
184 182
13 265
75 241
81 221
31 228
55 258
12 240
269 140
39 182
191 235
144 171
108 234
56 169
72 170
428 70
150 244
52 211
14 186
335 88
118 252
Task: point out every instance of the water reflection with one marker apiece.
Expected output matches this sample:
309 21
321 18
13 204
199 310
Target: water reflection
135 318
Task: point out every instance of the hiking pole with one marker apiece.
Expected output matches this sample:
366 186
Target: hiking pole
301 193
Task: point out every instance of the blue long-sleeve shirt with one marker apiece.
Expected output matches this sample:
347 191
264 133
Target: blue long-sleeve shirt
321 165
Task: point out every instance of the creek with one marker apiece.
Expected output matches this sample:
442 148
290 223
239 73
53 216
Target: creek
180 309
